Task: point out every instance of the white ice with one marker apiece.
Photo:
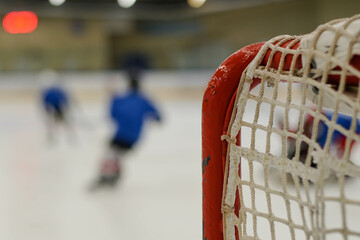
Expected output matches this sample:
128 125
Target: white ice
44 187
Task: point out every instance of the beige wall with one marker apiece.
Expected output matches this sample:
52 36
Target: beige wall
54 45
223 33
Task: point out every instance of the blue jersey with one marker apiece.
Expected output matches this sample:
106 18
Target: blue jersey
342 120
54 98
129 113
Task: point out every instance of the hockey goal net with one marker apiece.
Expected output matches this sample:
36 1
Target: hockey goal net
280 134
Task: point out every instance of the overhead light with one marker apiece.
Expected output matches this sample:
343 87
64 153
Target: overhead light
126 3
20 22
196 3
56 2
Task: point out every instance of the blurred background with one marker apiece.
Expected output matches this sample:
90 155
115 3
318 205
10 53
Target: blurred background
44 185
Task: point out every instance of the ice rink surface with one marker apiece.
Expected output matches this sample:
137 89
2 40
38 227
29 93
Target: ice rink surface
44 187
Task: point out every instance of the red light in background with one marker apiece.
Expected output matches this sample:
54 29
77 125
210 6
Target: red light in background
20 22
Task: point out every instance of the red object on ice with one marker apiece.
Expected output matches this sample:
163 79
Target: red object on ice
275 61
218 101
20 22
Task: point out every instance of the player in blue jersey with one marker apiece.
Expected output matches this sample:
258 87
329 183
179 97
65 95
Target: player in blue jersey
338 140
55 102
128 112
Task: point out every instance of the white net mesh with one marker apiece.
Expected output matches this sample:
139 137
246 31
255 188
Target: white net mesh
295 174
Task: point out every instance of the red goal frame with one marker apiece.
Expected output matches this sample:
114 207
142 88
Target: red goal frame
217 109
218 102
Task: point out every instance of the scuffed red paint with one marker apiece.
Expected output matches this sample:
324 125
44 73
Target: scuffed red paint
217 104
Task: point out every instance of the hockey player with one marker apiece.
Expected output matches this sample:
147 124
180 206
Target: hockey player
338 140
55 102
128 112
